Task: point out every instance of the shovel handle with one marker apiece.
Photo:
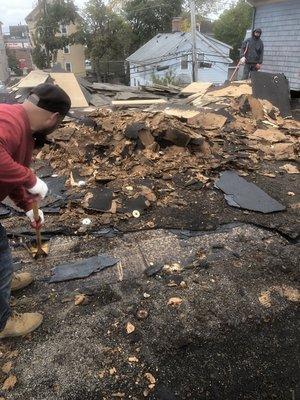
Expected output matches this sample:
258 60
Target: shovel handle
235 71
36 214
36 217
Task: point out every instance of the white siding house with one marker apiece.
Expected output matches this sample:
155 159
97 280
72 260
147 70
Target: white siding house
280 23
171 53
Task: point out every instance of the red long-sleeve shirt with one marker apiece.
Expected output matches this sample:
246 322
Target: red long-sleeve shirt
16 147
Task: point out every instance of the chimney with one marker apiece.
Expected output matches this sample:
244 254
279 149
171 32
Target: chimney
176 24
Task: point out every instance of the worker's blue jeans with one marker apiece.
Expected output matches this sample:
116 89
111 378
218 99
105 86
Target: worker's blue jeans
6 272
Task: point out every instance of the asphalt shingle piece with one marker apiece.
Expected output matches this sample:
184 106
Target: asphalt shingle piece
243 194
82 269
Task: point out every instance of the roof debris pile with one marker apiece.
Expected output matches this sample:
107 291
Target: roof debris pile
103 163
119 163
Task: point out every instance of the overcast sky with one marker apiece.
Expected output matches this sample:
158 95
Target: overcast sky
12 12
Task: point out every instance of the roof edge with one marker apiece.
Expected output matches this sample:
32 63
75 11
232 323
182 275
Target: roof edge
255 3
218 41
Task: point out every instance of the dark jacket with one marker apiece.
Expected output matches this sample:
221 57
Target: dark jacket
253 50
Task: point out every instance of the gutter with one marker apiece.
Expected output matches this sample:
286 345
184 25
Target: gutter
253 18
254 12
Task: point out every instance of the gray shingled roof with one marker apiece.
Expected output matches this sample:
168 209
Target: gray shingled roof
168 44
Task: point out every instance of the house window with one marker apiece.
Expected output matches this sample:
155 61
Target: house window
200 60
203 64
68 67
184 62
162 67
63 30
134 82
67 50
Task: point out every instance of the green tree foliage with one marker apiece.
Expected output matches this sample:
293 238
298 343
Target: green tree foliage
205 7
39 57
48 39
169 78
107 37
149 17
13 63
232 25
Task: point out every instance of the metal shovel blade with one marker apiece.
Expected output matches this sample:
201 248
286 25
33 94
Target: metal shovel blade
39 251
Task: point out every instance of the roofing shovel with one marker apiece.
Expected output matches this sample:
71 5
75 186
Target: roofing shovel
235 71
41 249
239 64
228 81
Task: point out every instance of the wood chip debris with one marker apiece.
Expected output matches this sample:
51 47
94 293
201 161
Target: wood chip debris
6 368
9 383
79 299
130 328
133 359
174 301
290 169
150 378
287 292
172 269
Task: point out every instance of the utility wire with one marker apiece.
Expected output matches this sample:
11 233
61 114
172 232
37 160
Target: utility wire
174 57
153 69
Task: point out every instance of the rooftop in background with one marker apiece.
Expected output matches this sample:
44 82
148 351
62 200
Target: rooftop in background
166 44
18 31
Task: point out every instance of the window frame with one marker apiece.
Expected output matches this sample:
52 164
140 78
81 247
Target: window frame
65 27
184 63
68 70
67 47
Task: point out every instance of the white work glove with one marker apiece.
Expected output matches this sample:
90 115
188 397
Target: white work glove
34 223
39 189
243 61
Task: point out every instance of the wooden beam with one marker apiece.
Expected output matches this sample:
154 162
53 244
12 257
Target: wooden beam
137 102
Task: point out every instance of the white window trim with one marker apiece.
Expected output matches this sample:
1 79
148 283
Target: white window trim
61 32
69 49
70 66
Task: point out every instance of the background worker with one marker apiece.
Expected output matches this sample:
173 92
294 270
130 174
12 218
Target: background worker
20 126
252 53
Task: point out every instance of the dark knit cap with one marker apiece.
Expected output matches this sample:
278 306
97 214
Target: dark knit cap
50 97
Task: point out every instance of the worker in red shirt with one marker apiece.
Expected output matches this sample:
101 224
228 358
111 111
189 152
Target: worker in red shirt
20 126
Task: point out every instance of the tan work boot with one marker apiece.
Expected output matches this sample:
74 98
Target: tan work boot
20 281
21 324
